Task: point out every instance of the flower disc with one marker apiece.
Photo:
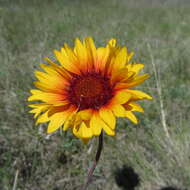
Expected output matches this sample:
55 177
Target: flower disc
90 91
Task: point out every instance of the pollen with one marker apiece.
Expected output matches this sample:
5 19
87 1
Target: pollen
90 91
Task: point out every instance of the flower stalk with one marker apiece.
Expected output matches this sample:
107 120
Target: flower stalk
98 154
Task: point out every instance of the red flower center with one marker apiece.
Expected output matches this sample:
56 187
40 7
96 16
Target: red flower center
90 91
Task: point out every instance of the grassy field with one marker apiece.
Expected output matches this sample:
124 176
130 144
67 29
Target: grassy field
158 148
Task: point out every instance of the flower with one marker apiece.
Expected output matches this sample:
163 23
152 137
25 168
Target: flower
88 89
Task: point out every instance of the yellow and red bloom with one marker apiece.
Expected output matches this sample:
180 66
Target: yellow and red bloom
88 89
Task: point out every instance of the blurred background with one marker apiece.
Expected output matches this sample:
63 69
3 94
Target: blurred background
153 154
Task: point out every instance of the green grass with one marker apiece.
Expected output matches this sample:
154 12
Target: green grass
158 33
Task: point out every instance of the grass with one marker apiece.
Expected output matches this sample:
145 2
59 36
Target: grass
158 32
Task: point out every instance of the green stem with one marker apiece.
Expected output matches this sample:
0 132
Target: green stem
91 171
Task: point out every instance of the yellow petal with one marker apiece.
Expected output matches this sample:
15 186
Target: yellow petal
91 48
49 69
122 97
49 88
108 117
137 80
139 95
86 132
38 108
136 107
44 96
85 114
52 82
131 116
108 130
72 119
76 131
56 121
65 62
102 56
112 42
119 75
129 56
37 105
63 59
96 124
120 86
121 59
43 118
135 67
57 109
118 110
81 51
70 54
70 122
58 69
41 76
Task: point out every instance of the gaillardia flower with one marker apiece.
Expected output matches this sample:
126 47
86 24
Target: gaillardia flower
88 89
